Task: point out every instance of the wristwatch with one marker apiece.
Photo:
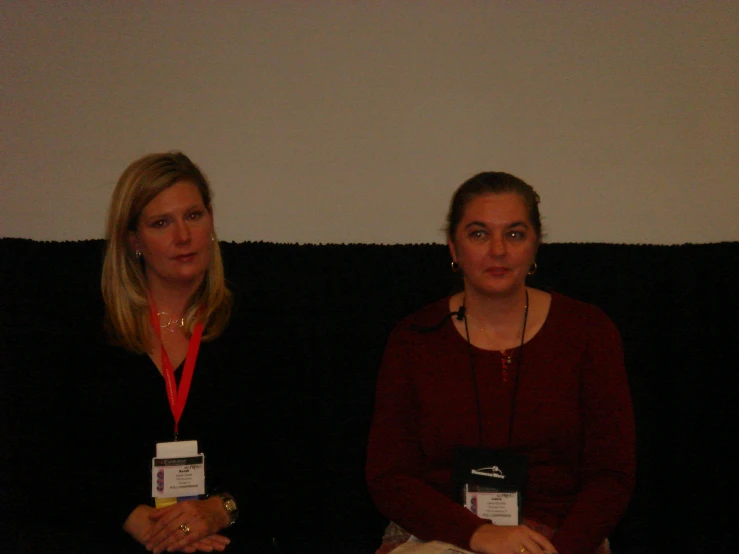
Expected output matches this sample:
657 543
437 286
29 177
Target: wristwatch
230 504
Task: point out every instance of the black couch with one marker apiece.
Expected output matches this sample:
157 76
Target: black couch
332 307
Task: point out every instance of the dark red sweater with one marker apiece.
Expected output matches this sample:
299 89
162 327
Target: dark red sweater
573 420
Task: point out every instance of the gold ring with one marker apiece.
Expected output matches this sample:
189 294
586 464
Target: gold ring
186 529
522 549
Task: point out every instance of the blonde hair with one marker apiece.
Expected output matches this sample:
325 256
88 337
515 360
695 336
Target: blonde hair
123 281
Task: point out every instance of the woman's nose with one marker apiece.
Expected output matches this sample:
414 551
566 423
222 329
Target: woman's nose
497 246
182 232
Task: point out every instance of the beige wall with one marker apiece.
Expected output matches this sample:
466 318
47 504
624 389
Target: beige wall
354 121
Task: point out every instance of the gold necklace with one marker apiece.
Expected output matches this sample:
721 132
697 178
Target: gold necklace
506 356
172 324
479 324
505 353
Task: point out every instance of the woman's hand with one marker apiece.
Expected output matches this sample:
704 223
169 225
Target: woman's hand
138 524
499 539
210 543
185 525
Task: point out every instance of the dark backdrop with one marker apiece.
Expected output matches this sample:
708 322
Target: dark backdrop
326 311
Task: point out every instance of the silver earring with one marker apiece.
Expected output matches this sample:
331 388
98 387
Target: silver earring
455 266
533 268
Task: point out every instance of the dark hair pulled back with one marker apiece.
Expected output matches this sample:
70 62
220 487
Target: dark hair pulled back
492 182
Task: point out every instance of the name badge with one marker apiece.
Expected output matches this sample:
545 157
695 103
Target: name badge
502 508
491 483
177 473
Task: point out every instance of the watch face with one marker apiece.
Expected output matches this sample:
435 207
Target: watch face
230 505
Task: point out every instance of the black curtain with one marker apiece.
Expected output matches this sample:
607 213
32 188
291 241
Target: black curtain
327 311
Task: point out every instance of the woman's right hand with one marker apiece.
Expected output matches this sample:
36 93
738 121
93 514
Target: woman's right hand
499 539
138 524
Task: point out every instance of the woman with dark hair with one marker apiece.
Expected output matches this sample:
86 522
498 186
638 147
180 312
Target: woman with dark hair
503 421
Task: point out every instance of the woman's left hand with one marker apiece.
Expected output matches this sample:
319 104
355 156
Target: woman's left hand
183 524
211 543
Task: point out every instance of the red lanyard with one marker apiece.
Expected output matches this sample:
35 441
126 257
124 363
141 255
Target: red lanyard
177 396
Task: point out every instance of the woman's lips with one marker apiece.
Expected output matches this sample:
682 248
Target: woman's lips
185 257
496 271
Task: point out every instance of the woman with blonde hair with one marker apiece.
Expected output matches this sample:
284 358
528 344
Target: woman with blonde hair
166 303
127 278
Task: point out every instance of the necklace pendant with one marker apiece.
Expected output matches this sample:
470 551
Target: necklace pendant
175 324
171 325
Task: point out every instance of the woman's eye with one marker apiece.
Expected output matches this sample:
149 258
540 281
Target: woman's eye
196 215
159 223
518 235
478 234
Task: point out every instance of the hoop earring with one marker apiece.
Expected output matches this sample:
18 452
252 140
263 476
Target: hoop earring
455 266
533 269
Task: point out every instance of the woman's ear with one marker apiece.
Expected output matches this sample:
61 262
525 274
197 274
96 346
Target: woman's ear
133 242
452 250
